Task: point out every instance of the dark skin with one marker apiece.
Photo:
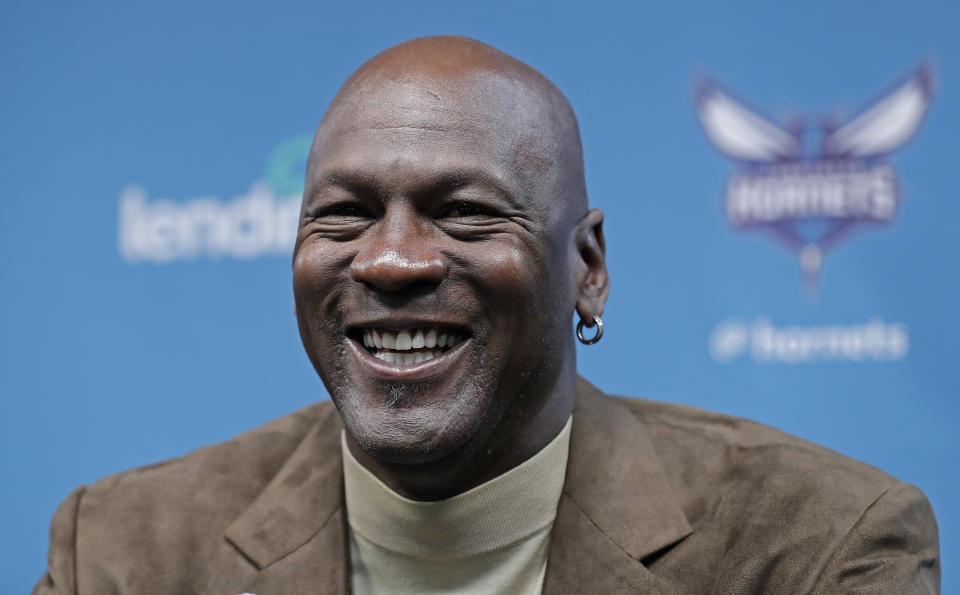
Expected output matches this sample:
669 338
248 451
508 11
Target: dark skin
445 190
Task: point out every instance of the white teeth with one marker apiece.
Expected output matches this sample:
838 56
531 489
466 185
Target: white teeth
388 344
389 340
392 357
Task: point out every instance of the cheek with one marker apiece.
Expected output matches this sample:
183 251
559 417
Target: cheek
515 279
509 268
318 272
317 268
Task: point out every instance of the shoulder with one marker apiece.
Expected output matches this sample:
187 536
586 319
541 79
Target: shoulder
174 513
212 480
817 515
729 450
229 473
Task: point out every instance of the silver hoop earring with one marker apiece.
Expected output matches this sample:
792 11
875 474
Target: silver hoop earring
595 338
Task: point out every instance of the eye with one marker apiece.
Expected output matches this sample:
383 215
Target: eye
462 209
344 210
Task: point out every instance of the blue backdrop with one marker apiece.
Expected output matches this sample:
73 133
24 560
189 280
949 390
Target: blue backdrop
149 153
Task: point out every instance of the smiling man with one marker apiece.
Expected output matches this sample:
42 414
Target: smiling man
445 249
445 242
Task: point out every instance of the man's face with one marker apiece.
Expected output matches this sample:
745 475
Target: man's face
433 288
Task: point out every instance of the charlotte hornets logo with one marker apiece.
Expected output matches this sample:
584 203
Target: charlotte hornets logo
812 199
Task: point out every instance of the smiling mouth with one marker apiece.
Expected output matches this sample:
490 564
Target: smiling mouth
410 346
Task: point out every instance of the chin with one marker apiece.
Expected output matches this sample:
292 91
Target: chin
413 424
417 420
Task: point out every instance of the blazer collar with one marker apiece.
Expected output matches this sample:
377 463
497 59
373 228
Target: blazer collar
302 505
617 507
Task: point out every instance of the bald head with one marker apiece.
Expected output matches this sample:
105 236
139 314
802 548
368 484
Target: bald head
457 82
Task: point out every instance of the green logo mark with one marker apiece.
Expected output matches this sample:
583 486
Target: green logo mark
287 165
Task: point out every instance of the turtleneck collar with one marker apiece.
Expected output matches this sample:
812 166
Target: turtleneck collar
495 514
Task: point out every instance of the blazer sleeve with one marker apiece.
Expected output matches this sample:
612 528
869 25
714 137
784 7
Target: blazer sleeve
892 548
61 575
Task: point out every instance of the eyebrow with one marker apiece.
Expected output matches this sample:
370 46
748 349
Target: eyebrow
447 181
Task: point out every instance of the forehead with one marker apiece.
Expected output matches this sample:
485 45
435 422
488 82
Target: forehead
425 125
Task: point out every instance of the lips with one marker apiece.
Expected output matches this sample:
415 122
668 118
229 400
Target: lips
410 346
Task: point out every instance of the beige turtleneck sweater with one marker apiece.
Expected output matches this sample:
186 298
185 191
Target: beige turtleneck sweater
491 539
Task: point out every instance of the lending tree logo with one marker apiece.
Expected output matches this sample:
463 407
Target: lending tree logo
261 222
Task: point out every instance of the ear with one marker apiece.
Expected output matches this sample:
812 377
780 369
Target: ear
593 284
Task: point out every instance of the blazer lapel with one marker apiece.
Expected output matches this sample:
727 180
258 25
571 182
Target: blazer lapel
295 530
616 508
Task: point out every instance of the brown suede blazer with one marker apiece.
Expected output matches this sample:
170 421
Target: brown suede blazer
658 498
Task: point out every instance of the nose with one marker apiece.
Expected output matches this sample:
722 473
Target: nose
399 254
